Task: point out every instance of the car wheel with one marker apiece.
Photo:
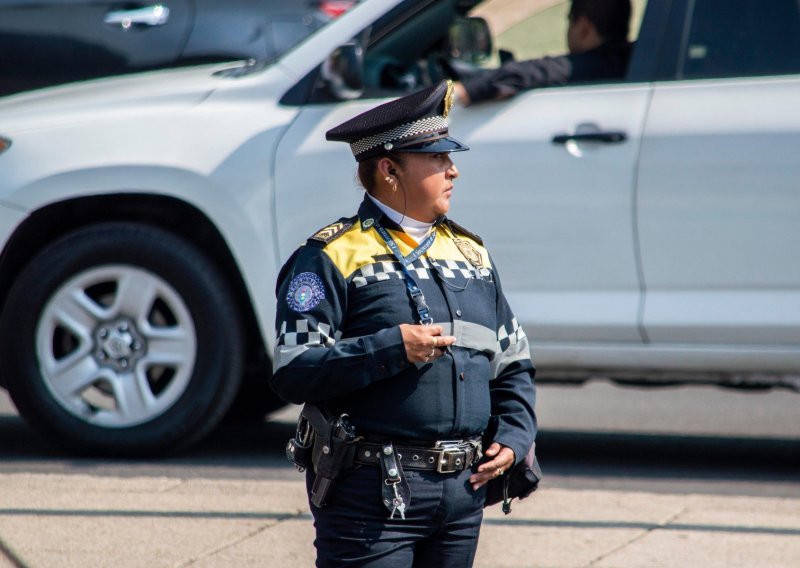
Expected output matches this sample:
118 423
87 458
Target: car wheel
254 402
121 338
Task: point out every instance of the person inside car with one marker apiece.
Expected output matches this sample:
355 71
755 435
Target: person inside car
597 38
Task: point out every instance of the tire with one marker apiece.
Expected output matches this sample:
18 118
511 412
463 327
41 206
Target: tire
253 403
121 339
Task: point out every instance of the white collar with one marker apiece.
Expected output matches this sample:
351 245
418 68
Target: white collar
417 229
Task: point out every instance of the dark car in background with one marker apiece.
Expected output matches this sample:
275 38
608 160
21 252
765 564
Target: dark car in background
50 42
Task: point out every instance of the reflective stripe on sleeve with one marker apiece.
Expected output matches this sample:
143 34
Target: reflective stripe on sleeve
517 351
306 335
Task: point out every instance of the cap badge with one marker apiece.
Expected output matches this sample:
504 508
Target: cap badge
469 252
449 98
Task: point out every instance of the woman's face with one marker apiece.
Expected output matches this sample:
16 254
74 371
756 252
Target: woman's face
427 180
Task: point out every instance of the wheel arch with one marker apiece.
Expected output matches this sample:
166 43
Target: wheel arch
50 222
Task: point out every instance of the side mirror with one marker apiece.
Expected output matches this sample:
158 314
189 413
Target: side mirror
470 40
343 71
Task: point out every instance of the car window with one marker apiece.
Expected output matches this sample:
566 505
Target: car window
405 46
529 30
410 47
730 38
420 42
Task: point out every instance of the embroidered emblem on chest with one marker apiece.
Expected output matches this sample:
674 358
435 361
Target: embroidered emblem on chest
305 293
469 252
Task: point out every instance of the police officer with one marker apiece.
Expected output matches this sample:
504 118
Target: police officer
396 317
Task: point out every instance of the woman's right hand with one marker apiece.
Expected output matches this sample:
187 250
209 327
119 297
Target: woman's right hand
424 343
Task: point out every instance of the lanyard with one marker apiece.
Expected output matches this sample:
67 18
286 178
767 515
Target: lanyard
416 294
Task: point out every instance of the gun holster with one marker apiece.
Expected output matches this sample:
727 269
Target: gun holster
298 449
327 442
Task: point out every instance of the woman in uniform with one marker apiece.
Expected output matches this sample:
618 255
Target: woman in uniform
396 317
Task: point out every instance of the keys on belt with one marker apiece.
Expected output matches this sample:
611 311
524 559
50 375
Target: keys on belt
446 456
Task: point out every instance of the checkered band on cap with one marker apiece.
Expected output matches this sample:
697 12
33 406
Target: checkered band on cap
428 124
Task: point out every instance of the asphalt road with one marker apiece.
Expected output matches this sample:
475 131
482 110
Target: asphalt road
599 436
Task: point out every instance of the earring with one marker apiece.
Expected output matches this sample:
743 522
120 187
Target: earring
388 179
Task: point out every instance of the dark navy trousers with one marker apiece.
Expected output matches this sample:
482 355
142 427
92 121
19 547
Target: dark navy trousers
441 527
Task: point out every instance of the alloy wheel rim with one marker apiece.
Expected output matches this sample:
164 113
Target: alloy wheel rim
116 346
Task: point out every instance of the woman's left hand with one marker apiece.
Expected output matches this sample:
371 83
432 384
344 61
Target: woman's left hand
502 462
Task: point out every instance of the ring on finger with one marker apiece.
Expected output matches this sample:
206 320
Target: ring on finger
435 341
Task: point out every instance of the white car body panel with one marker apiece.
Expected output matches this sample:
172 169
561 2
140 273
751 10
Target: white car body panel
698 230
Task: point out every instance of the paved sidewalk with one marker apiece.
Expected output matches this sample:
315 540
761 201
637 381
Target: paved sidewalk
86 521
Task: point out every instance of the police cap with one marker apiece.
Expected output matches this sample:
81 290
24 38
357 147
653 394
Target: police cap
414 123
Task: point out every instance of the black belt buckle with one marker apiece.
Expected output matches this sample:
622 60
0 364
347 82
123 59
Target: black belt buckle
451 456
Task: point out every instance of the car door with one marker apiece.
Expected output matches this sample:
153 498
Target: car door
718 197
48 42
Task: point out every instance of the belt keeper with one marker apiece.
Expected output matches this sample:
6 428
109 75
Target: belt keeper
393 483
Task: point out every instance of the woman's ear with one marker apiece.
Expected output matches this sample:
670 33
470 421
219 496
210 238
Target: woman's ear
385 167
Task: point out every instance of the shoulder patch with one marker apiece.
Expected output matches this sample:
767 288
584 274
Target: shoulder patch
305 292
456 228
333 231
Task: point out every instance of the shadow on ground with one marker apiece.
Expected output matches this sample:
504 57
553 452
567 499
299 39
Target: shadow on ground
625 461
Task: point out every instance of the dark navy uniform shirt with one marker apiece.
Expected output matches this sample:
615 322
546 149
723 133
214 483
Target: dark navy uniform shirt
341 298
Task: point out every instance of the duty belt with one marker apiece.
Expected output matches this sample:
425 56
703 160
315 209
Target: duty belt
448 456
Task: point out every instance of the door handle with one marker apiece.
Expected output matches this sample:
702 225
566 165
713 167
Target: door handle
613 137
155 15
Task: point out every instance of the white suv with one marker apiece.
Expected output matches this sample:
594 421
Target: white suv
143 219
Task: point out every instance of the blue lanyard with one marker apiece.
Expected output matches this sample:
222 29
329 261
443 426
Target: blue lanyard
416 294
